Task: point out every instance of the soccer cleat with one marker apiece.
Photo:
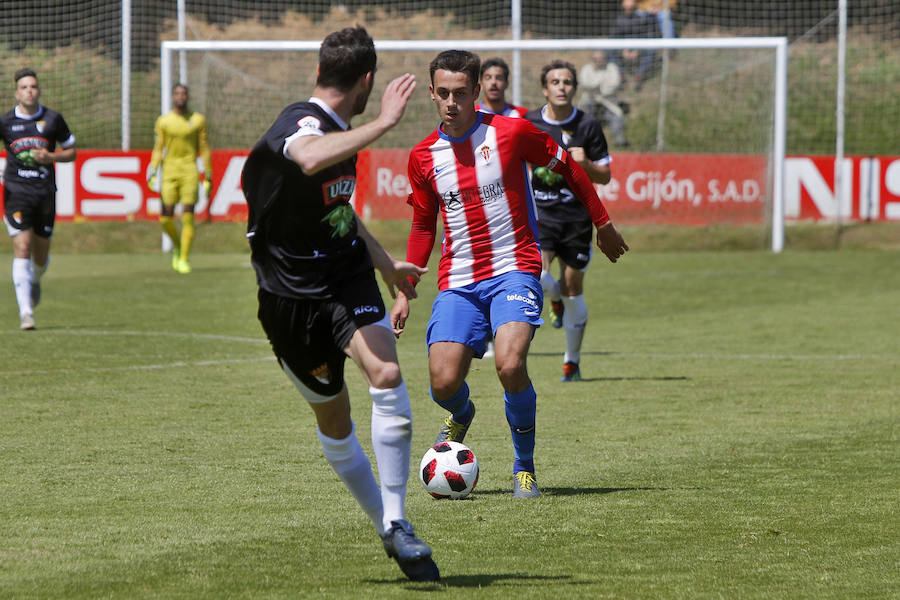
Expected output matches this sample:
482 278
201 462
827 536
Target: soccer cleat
525 485
183 267
176 258
412 554
571 372
35 293
556 313
453 431
26 323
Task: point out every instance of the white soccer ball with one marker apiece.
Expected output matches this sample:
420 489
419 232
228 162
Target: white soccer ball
449 470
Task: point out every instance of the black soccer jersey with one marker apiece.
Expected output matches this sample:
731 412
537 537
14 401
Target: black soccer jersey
579 130
302 230
23 133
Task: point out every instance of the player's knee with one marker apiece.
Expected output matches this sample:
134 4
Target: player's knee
512 372
385 375
547 281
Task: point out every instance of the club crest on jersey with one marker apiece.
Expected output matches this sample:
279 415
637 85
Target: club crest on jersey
566 137
485 152
309 122
321 373
40 126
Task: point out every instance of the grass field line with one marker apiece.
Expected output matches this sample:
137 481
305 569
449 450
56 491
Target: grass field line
158 367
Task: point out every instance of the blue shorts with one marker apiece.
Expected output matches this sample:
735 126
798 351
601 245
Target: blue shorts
469 314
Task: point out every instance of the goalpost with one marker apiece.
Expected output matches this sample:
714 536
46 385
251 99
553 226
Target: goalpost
778 98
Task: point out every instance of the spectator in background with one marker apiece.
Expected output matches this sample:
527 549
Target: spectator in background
661 10
600 81
631 23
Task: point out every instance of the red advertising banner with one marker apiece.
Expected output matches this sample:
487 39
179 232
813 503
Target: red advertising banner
689 189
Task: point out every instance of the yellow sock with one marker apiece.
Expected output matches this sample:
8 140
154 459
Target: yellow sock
168 226
187 234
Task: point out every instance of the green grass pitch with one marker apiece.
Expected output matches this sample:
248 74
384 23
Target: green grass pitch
735 436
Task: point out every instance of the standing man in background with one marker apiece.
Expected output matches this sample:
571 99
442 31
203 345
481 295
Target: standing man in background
566 225
180 137
31 132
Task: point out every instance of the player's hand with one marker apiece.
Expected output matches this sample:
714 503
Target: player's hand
577 154
207 186
41 156
399 314
611 242
151 183
399 275
396 95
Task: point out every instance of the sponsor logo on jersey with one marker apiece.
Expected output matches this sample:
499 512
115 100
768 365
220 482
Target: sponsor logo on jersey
367 308
483 194
338 189
321 373
17 127
309 122
530 300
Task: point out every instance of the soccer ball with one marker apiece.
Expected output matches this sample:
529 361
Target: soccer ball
449 470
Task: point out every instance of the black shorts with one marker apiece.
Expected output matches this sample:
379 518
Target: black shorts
30 211
570 240
310 335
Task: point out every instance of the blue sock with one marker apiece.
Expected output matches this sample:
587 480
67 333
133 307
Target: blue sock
458 404
521 410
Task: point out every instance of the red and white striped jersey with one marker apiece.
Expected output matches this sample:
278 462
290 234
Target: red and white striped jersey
480 184
508 111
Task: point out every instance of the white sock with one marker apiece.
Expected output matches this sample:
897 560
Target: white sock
21 276
350 463
38 271
574 321
550 285
391 439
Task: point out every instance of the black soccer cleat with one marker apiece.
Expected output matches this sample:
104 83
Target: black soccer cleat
412 554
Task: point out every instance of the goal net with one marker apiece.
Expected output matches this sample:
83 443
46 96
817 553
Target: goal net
705 133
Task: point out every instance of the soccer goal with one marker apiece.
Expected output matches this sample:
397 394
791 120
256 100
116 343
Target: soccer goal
709 100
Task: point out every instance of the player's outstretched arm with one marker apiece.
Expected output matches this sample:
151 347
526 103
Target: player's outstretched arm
314 153
611 242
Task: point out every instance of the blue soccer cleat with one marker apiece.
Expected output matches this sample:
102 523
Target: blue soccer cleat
412 554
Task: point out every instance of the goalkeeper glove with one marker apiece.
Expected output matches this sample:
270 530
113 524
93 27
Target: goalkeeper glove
207 185
151 178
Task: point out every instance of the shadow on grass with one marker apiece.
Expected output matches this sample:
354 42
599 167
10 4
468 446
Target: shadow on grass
660 378
573 491
476 581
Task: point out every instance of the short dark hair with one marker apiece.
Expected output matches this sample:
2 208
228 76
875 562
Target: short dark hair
495 62
180 85
457 61
26 72
559 64
344 57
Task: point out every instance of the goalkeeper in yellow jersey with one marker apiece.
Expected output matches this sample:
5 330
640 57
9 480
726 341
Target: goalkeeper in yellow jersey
180 139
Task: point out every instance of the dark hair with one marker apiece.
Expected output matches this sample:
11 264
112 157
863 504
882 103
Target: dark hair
559 64
344 57
26 72
495 62
180 85
457 61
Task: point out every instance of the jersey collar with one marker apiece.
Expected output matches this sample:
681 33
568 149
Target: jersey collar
456 140
553 122
27 117
321 104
